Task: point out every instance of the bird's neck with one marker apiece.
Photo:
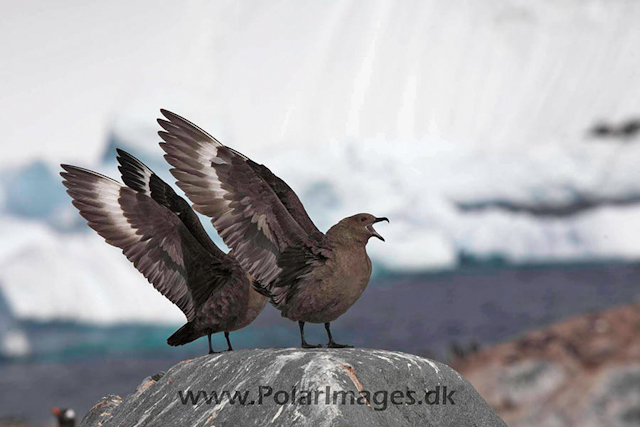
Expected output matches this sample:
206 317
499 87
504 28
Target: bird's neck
342 236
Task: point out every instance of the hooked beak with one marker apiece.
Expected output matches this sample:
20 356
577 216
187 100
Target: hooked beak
373 231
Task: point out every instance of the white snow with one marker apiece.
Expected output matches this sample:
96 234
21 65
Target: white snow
50 275
15 344
401 109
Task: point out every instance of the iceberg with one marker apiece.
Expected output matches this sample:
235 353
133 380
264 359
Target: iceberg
13 340
47 275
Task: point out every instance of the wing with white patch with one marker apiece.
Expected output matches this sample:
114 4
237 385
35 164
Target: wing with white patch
222 184
149 235
138 176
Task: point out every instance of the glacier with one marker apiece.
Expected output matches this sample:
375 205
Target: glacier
413 110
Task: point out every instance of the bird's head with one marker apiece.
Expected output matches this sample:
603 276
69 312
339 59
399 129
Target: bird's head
360 226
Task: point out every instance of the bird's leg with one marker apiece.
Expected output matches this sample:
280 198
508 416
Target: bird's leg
210 348
333 344
226 335
304 342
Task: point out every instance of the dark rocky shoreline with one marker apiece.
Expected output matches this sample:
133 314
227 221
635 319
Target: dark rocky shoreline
420 314
582 371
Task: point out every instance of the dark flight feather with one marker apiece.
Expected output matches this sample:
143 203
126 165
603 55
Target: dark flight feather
253 210
141 178
150 236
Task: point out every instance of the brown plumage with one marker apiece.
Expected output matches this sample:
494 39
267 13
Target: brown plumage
138 176
162 236
309 276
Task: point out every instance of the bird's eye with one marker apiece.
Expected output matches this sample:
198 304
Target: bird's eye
362 219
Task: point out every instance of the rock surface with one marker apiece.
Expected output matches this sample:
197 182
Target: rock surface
584 371
365 382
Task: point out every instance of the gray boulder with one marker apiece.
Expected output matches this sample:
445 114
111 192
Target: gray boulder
320 387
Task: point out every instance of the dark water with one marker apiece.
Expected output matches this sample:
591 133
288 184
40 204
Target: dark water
75 365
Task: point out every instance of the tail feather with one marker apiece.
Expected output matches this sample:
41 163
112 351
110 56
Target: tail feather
184 335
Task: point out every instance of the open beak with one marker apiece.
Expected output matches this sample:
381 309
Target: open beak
373 231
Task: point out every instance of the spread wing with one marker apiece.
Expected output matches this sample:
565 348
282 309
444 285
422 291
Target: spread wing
150 236
287 196
138 176
238 195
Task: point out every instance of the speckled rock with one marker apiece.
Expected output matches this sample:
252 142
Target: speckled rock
320 387
584 371
102 411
